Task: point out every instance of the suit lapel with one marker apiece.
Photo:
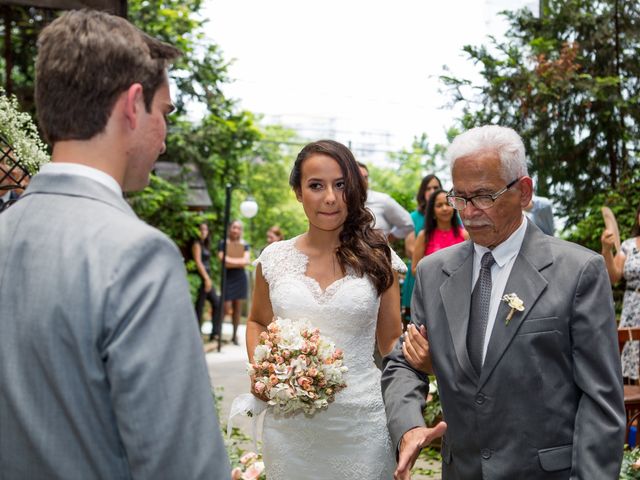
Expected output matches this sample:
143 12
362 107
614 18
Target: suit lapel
455 293
526 281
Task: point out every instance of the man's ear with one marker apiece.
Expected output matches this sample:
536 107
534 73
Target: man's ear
526 189
133 103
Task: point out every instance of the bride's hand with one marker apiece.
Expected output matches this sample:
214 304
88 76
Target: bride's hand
260 395
416 348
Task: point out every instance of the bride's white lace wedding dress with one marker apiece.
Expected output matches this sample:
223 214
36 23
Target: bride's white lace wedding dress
349 440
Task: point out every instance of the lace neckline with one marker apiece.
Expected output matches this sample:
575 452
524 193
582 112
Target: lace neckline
314 286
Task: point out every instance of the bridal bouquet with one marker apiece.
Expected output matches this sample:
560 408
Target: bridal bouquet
296 368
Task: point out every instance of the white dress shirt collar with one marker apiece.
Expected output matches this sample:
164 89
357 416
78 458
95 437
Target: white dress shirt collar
57 168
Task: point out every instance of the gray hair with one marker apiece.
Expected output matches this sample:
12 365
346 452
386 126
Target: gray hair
505 141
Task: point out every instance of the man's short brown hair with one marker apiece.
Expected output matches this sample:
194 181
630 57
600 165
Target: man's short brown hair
86 59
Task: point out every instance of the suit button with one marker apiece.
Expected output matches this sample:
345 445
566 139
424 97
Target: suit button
480 398
486 453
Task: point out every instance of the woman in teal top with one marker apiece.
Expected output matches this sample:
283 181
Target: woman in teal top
429 184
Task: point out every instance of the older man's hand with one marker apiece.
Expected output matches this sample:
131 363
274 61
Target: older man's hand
413 441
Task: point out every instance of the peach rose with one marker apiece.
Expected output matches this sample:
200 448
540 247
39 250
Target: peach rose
305 383
259 387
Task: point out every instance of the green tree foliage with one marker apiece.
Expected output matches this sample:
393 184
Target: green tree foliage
402 176
17 63
268 181
163 205
222 141
568 83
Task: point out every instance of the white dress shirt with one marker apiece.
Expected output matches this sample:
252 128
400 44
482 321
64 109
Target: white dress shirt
505 255
389 216
57 168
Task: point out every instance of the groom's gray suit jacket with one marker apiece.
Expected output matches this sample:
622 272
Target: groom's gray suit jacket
548 402
102 372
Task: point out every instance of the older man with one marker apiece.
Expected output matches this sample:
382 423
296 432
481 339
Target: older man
102 371
521 336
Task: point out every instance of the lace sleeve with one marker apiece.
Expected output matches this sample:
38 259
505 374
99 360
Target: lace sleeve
265 259
396 262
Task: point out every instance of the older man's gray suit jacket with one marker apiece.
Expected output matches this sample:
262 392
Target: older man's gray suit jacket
102 372
548 403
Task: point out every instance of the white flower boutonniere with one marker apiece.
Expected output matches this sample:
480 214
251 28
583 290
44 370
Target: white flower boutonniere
515 303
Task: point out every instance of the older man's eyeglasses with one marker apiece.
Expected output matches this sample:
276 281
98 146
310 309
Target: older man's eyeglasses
481 202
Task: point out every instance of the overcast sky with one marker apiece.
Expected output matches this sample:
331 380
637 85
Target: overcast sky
361 70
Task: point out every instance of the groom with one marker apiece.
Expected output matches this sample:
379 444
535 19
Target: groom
530 387
102 372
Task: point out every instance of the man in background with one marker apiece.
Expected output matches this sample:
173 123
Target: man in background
540 211
389 216
101 365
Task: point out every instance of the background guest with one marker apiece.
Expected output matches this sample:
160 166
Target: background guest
428 185
201 252
274 234
389 216
442 228
626 263
540 212
236 284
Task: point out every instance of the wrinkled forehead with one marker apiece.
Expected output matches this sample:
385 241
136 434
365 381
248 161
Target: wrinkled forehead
480 171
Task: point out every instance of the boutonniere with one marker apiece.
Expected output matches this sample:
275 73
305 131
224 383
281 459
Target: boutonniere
515 303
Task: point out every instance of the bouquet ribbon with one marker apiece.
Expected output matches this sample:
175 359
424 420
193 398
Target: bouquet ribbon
247 404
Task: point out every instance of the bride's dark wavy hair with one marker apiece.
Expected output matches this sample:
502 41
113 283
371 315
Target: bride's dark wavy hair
363 249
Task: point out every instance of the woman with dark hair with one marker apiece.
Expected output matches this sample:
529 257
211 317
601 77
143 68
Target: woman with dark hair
201 252
626 263
428 185
341 275
442 228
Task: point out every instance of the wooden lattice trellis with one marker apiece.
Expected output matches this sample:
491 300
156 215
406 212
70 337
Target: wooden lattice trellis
13 174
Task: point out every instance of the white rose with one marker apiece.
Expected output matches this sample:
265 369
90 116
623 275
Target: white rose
261 353
281 392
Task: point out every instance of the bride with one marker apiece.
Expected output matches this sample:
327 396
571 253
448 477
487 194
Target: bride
342 276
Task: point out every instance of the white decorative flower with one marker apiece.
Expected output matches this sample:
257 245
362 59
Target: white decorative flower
20 131
290 337
433 387
515 303
261 353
